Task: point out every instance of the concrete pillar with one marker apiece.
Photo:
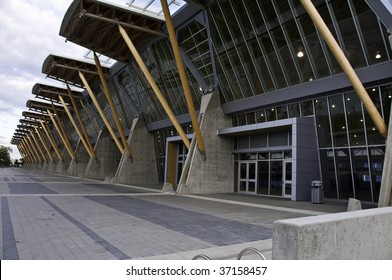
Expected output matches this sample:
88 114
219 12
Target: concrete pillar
106 163
78 167
216 174
63 165
143 168
52 166
385 198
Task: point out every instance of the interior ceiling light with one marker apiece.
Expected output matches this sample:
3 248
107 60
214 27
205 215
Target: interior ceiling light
300 54
378 56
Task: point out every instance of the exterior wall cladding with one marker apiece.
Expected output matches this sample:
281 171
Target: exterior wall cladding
269 63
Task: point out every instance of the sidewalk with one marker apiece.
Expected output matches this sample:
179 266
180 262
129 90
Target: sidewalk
50 217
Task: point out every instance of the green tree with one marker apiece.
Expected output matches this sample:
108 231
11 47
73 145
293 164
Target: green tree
5 158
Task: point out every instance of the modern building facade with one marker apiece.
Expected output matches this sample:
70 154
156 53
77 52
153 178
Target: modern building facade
275 109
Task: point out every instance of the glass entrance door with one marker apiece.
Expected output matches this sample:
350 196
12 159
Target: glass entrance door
287 178
247 178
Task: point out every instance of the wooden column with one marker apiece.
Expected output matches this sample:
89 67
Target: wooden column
62 137
43 142
90 152
346 66
112 106
75 107
154 86
101 113
51 140
183 77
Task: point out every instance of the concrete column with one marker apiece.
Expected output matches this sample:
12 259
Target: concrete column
216 175
143 168
77 168
106 164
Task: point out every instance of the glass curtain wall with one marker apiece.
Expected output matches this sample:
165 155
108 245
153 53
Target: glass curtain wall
351 149
266 45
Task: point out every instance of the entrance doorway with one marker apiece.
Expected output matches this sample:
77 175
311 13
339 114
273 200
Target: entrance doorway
270 174
247 176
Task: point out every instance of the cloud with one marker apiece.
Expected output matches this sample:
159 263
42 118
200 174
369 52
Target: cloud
29 33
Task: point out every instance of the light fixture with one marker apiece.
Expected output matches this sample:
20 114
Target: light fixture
333 106
300 54
378 55
374 89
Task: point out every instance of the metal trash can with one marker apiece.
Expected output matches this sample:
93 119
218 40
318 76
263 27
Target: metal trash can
317 195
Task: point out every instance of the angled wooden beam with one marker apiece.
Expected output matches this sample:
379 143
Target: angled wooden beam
346 66
86 146
113 109
38 145
33 148
183 77
51 140
82 125
101 113
154 86
62 137
43 142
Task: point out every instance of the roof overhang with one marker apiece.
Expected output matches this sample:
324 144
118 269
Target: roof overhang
94 25
35 116
52 93
42 106
66 70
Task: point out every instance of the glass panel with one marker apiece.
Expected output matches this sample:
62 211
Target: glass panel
251 118
261 116
251 186
276 155
276 178
349 34
374 137
307 108
263 156
271 114
344 173
323 128
373 38
281 112
261 64
288 171
288 154
328 173
243 170
361 174
243 186
376 163
262 176
386 97
278 139
338 120
243 142
252 171
356 129
294 110
258 141
287 189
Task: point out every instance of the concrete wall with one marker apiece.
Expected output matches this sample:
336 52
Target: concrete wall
306 166
62 166
363 234
105 165
78 167
143 168
216 174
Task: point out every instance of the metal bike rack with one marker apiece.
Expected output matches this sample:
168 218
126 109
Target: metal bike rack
201 256
253 250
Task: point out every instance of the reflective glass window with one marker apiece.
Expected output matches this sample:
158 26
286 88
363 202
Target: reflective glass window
323 125
373 135
344 173
356 129
361 174
338 121
294 110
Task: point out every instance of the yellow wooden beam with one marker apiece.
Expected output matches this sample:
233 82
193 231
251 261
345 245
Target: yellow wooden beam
62 137
91 153
86 136
183 77
39 148
43 142
33 148
154 86
100 111
113 109
51 140
346 66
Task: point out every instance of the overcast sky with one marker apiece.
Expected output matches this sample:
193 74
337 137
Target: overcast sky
28 34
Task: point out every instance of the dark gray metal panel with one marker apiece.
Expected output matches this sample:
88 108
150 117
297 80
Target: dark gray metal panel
311 89
167 123
381 11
